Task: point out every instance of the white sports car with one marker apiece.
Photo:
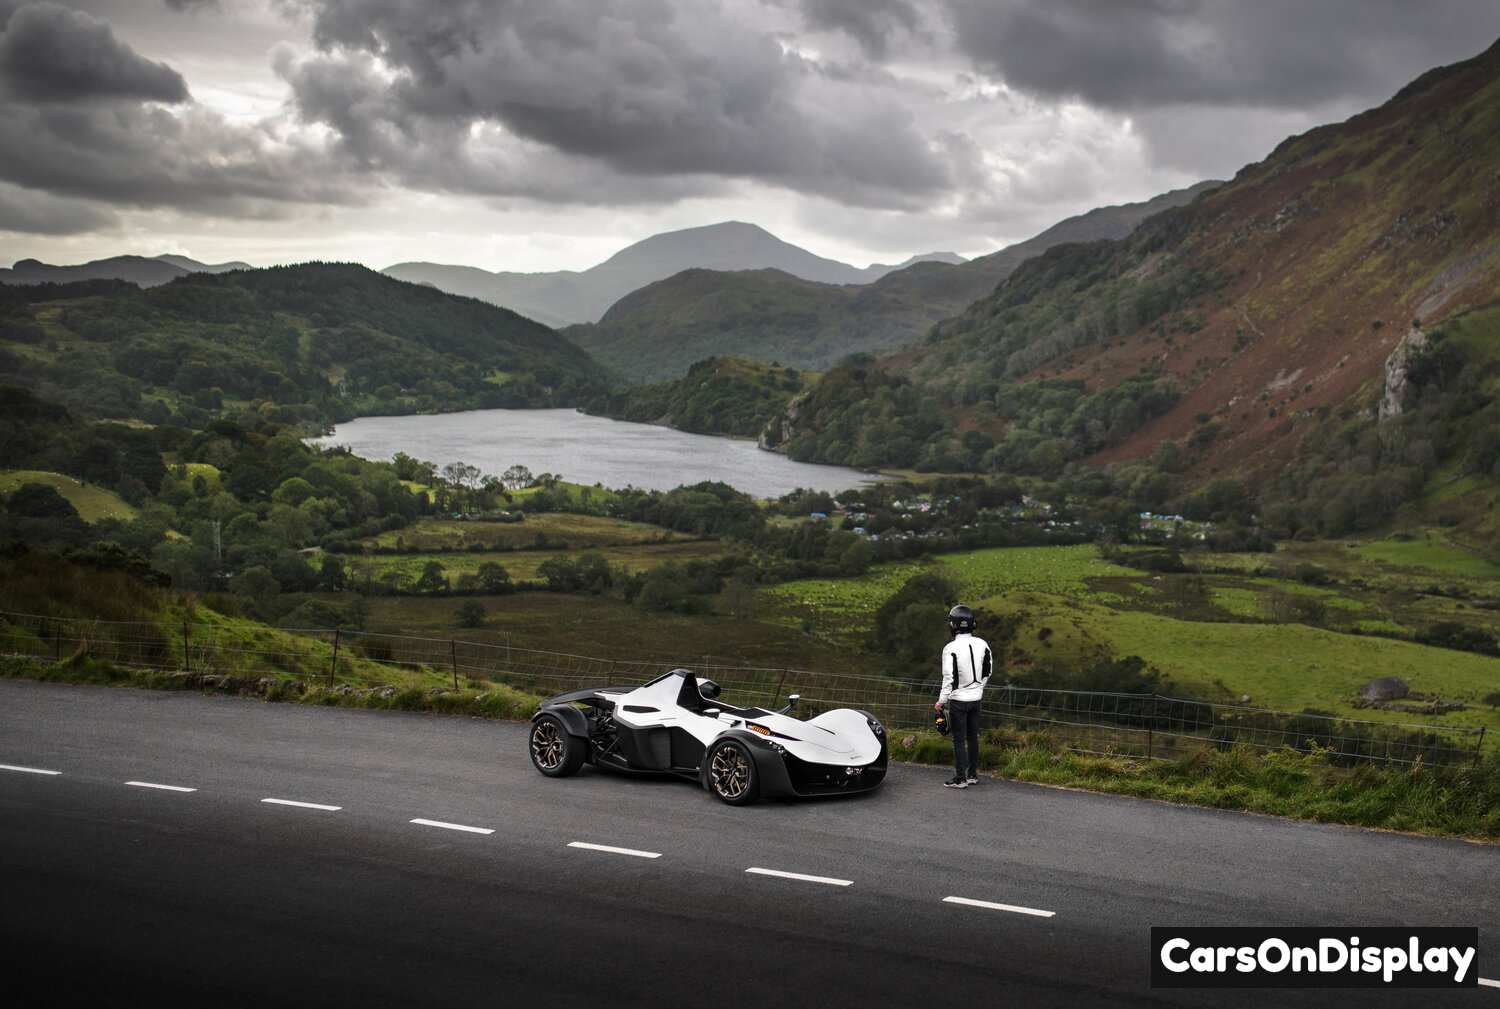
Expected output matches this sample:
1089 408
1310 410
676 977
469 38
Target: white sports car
677 725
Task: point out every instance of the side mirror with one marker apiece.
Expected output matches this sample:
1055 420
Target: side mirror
791 700
710 712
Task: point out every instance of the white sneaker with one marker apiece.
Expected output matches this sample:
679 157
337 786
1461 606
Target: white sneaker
972 780
955 782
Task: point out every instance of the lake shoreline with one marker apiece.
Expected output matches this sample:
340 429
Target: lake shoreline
588 449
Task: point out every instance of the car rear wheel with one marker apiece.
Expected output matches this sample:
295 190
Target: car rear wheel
553 751
731 773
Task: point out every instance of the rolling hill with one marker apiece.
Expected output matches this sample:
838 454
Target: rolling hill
657 332
139 270
1323 328
314 342
565 297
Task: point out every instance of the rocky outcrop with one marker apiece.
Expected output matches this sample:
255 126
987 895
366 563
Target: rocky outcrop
778 430
1384 688
1397 370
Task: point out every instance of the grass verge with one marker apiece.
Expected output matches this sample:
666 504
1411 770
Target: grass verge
1456 802
479 698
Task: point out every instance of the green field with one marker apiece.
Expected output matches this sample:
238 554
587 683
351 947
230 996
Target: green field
522 565
552 529
1218 635
93 503
1428 552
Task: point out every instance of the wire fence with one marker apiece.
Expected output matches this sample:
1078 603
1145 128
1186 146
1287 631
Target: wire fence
1151 726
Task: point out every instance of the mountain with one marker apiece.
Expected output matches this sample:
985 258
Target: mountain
567 297
1321 335
313 343
193 266
138 270
657 332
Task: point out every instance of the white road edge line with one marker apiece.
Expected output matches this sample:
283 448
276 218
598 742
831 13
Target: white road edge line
164 788
613 850
452 826
802 876
1016 908
303 805
27 770
1489 983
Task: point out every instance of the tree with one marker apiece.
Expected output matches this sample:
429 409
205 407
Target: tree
331 574
471 613
257 584
39 501
434 578
494 579
516 477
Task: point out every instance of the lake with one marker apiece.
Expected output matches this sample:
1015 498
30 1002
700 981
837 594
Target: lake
587 450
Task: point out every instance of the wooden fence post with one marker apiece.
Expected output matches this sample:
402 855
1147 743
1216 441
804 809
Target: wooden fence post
777 696
453 657
187 664
1151 730
334 662
1479 745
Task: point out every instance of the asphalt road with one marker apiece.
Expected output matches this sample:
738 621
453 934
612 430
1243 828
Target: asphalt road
123 894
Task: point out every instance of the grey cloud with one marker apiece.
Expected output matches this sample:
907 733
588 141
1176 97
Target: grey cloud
190 5
49 53
148 157
641 87
1267 53
42 214
869 22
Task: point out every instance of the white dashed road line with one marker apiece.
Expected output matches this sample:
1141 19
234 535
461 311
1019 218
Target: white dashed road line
1014 908
1488 983
802 876
164 788
303 805
613 850
452 826
27 770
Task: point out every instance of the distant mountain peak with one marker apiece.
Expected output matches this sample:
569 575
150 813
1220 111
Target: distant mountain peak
566 297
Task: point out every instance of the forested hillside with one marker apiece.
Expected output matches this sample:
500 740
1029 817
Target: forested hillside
660 330
719 395
311 343
1326 319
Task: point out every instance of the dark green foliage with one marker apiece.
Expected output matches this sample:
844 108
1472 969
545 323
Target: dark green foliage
1450 634
471 614
320 341
912 625
862 415
730 396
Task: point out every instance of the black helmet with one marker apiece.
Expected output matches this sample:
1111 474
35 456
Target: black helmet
961 619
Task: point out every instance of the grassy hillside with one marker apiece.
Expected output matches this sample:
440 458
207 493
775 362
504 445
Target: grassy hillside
658 331
1215 634
1245 335
93 503
315 342
720 395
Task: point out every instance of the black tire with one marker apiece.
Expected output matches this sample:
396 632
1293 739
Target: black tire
553 751
729 772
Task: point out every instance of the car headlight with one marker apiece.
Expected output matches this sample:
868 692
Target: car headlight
876 727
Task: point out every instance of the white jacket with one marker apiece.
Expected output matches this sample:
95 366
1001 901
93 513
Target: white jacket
967 666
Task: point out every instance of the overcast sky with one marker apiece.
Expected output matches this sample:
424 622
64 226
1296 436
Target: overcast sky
547 134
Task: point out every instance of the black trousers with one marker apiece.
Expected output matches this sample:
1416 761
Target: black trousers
963 722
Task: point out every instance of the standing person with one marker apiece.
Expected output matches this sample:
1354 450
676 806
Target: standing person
966 669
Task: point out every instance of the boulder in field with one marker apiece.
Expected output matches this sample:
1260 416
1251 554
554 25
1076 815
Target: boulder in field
1384 688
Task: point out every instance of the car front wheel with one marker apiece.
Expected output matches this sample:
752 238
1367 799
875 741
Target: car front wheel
553 751
731 773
